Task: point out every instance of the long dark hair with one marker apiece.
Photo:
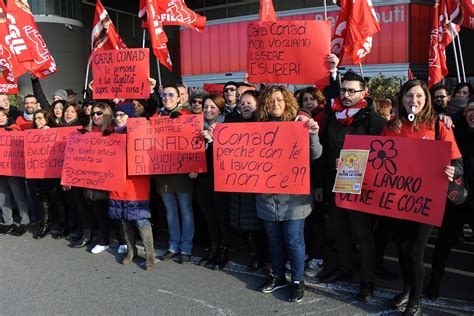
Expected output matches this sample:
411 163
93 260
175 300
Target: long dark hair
47 116
81 117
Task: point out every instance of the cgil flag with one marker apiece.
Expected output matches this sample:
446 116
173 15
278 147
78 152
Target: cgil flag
25 41
355 26
267 11
104 36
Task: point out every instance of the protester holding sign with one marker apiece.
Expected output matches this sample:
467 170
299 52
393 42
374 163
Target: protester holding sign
12 187
46 193
415 118
57 108
176 191
283 215
455 216
215 205
132 207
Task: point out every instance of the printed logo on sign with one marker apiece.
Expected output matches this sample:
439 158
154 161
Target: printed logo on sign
41 48
356 186
17 44
176 12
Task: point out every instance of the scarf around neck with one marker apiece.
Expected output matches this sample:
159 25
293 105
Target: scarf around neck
345 115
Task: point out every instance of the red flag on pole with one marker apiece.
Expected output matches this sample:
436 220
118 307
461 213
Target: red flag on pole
9 65
104 36
355 26
267 12
441 36
175 12
26 41
149 13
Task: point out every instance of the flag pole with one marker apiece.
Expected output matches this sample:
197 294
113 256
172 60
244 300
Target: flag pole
85 81
325 11
361 71
456 58
460 57
157 61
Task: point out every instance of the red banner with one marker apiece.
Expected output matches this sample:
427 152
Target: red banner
121 74
95 161
214 88
289 52
404 178
165 146
8 87
262 157
45 152
12 157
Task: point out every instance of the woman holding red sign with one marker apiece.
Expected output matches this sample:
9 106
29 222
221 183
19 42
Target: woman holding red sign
284 215
415 118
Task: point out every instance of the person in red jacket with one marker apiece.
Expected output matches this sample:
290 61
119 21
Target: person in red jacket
31 105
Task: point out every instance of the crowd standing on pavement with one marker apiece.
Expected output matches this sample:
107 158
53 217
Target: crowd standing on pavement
283 231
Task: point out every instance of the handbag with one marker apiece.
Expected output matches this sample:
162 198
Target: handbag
457 192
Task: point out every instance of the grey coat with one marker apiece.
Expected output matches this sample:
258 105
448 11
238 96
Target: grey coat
283 207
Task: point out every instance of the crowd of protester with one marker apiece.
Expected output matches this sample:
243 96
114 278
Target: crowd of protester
283 231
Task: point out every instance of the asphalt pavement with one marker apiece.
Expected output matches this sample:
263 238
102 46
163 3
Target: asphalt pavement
45 276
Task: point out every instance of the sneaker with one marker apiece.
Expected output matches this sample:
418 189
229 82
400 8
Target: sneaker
296 291
274 283
6 229
99 248
184 259
122 249
168 255
18 230
313 268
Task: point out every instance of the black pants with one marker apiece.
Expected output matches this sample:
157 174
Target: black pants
349 224
215 207
99 209
315 232
384 229
411 239
454 219
47 199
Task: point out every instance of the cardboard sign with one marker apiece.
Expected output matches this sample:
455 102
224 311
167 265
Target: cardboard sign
289 52
350 172
262 157
214 88
12 154
404 178
8 87
121 73
95 161
166 146
44 152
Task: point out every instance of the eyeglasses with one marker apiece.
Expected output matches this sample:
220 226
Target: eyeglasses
97 113
171 95
350 92
197 101
120 114
39 118
230 89
440 96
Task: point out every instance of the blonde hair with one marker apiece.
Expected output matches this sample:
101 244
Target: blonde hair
264 104
108 116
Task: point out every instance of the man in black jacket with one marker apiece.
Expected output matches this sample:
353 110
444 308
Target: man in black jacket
13 111
351 113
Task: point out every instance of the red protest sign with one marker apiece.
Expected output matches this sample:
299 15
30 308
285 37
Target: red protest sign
45 152
8 87
121 73
12 157
165 146
95 161
404 178
262 158
214 88
289 52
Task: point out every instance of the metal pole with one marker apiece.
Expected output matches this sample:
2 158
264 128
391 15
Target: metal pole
461 58
143 40
85 81
325 11
456 58
159 72
361 71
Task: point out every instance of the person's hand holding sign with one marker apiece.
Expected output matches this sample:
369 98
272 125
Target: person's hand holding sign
152 84
449 171
333 62
313 126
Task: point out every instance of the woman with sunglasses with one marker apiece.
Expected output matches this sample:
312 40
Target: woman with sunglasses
197 101
132 207
176 191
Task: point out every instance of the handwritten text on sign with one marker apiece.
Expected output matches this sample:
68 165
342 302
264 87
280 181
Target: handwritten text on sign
289 52
121 74
44 152
166 145
262 157
404 178
95 161
12 156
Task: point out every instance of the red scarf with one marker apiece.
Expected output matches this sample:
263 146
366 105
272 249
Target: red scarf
345 114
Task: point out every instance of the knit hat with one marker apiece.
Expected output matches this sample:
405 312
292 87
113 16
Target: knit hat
231 83
60 93
70 92
198 95
126 108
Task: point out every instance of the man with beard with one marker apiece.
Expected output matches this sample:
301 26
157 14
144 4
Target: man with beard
440 98
351 113
26 120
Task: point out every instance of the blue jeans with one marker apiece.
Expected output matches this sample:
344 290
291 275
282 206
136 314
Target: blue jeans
286 237
13 187
181 236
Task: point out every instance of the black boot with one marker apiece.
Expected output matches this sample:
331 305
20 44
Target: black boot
433 288
222 258
400 301
366 291
413 308
43 207
211 254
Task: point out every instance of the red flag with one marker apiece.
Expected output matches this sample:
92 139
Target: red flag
410 74
267 12
9 66
441 36
175 12
26 41
461 12
104 36
355 26
149 12
468 14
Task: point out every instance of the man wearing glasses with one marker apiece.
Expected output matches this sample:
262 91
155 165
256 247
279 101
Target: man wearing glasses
230 96
440 98
351 113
